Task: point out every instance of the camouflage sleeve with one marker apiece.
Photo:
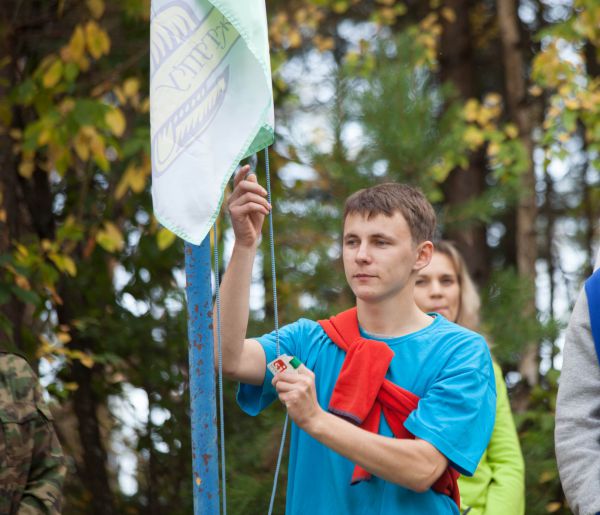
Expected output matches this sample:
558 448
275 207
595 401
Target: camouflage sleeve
33 467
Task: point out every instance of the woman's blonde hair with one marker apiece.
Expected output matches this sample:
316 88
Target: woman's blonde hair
468 310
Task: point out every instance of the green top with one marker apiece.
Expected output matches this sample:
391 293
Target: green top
498 485
32 467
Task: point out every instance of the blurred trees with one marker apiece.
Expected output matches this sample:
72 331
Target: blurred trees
490 107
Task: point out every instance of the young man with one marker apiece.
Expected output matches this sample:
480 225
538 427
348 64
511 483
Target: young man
336 465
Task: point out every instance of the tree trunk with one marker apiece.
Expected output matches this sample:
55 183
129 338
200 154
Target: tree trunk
519 112
95 477
11 225
86 402
462 186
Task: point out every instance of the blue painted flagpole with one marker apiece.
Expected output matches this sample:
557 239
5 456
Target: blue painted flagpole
205 473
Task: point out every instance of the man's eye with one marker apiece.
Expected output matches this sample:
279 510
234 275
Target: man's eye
381 243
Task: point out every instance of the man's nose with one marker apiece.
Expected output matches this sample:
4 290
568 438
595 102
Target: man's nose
363 252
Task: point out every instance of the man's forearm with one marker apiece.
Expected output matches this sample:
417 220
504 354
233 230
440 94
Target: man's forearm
235 306
414 464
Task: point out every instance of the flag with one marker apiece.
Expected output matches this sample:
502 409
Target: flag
211 104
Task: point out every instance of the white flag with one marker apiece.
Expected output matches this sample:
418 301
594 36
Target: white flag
211 104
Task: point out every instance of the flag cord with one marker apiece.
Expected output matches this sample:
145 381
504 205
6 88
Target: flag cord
220 364
276 321
220 352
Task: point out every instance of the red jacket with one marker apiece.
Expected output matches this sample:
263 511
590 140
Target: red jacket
362 391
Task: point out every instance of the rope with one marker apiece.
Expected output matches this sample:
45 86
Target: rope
276 320
220 363
272 250
220 353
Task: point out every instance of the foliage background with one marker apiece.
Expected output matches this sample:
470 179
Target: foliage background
492 108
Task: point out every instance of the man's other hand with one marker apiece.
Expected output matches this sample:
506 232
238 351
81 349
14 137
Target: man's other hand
248 207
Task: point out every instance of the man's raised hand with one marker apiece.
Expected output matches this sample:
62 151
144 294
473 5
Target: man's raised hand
248 207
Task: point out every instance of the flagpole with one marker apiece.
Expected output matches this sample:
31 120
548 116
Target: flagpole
205 473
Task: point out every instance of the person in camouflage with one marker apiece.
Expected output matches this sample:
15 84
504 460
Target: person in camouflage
32 465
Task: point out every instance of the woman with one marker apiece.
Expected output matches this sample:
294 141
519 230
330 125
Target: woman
444 287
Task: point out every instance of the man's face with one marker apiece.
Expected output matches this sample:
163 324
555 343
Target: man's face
379 256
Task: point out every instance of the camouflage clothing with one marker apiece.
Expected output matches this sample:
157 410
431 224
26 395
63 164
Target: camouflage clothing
32 466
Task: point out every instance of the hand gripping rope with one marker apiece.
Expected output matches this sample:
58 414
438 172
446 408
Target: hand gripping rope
220 354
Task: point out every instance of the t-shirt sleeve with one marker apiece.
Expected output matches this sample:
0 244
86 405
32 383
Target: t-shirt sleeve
457 413
254 398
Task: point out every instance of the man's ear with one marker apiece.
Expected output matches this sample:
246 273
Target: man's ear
424 253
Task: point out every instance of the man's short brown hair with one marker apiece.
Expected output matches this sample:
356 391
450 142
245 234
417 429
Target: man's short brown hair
387 198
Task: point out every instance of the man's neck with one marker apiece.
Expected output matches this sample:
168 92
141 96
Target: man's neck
392 317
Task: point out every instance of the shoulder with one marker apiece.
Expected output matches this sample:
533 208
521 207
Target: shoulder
455 340
12 364
303 327
18 381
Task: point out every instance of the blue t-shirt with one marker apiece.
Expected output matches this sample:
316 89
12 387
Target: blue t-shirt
447 366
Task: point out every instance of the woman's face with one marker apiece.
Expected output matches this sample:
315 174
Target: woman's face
437 287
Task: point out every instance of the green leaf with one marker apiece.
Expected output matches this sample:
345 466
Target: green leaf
26 296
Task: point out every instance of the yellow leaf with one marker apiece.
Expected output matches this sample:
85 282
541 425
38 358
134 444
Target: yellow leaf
131 87
69 266
295 38
164 238
110 238
471 109
448 14
97 40
86 360
22 282
535 90
493 149
340 6
63 263
547 475
70 387
3 215
118 91
53 74
66 106
492 99
63 337
564 90
123 185
75 51
26 169
551 507
116 121
572 104
138 181
81 146
44 137
511 130
145 106
473 137
96 7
